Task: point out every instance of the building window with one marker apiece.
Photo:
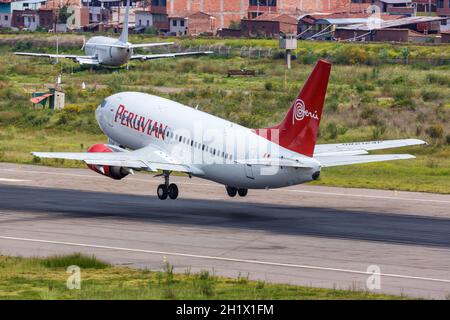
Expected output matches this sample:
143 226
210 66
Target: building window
148 23
263 3
181 23
440 4
174 23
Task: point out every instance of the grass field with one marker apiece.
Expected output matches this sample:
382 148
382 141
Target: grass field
366 100
46 278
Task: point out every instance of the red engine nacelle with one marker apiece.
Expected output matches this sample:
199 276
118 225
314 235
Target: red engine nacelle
116 173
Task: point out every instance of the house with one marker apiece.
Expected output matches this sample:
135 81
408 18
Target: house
47 18
200 23
425 6
8 6
443 8
28 19
400 7
5 13
322 26
147 19
269 25
177 26
417 30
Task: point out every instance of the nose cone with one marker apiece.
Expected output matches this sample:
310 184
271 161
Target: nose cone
100 112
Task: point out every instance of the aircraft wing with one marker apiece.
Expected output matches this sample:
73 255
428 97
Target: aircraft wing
362 147
148 45
80 59
148 158
332 161
166 55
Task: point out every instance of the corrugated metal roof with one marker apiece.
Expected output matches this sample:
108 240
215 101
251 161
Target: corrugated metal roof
344 21
396 1
392 23
32 1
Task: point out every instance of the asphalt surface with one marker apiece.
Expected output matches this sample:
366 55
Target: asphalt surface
307 235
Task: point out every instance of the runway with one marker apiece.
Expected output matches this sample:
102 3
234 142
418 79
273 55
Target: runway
306 235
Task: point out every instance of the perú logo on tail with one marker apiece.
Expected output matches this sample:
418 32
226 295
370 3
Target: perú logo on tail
300 111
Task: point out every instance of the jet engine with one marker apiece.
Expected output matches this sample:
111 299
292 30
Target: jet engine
113 172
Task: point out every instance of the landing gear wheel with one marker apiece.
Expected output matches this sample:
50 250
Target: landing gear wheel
242 192
231 191
173 191
162 192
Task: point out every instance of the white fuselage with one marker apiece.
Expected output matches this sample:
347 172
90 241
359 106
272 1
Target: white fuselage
100 48
216 149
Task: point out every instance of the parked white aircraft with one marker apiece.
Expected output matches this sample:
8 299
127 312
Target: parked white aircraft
152 133
113 52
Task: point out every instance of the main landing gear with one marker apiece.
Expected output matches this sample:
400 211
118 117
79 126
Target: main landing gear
167 189
232 191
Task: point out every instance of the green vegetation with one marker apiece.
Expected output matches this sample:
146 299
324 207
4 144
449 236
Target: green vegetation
367 100
46 278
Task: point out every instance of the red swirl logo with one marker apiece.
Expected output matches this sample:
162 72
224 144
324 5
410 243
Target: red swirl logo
300 112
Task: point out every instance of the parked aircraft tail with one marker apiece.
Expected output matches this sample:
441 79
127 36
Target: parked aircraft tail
124 35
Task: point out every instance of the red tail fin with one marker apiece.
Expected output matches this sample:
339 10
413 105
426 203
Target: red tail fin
298 131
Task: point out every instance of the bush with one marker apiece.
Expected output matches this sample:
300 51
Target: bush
204 283
152 31
332 130
431 94
268 86
186 66
440 79
403 97
435 131
78 259
378 131
349 54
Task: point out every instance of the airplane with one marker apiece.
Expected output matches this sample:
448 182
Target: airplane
151 133
114 52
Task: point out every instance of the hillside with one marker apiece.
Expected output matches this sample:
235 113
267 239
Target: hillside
371 96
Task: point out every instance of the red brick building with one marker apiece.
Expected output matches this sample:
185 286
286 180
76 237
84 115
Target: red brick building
269 25
200 23
226 11
443 8
445 37
47 18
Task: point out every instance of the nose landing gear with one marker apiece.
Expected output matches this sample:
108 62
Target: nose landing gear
232 191
167 189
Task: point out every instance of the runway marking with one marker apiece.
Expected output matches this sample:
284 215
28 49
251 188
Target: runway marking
187 255
12 180
337 194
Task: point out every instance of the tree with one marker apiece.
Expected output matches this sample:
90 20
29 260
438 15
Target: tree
235 25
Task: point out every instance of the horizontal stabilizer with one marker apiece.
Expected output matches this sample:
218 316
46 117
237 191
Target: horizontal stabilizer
149 45
114 45
332 161
321 149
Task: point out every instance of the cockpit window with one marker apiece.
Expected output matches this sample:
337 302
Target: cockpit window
104 102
